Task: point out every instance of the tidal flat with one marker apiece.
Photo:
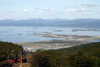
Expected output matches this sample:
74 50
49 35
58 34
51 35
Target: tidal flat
68 41
71 37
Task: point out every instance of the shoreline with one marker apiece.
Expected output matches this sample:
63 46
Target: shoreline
70 41
70 37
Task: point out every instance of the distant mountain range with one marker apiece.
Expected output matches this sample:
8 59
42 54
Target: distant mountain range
84 23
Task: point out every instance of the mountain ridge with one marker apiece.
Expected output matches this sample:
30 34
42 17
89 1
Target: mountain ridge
85 23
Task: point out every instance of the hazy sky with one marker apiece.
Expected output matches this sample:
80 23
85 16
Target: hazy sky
49 9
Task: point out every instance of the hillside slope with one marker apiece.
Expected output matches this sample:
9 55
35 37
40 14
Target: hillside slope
8 50
86 56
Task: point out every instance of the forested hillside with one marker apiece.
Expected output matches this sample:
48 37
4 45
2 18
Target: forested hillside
78 47
87 55
8 50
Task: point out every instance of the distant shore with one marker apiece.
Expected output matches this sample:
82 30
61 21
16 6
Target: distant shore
71 37
70 40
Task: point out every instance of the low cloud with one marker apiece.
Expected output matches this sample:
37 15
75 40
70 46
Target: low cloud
25 10
47 9
84 6
98 11
71 10
78 11
90 6
82 9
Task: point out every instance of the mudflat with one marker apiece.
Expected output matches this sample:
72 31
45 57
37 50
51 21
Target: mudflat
68 41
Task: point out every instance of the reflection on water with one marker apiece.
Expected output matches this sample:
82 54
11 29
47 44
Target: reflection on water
22 34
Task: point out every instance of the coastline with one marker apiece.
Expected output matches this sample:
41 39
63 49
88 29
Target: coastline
69 41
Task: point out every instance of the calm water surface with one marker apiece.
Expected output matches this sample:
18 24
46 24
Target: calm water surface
22 34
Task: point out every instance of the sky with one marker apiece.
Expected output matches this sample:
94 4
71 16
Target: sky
49 9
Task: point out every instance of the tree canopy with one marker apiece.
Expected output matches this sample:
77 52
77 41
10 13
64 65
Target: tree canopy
87 56
8 50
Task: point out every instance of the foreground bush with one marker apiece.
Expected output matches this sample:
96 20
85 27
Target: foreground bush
4 63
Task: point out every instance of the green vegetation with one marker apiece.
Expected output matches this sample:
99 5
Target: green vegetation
8 50
78 47
87 55
41 50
